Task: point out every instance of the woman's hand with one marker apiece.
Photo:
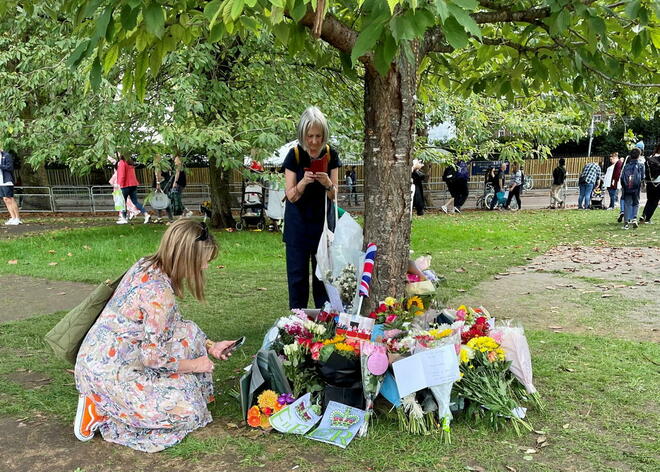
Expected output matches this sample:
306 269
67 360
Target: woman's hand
323 179
308 178
218 348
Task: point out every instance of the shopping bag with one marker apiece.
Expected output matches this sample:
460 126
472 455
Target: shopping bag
118 197
159 201
323 259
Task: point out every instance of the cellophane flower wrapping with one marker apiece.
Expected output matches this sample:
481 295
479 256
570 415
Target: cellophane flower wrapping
437 337
516 350
371 383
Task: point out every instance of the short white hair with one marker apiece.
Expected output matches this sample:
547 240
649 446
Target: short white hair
310 117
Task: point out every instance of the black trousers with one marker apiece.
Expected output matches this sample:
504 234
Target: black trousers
462 192
514 193
652 198
297 271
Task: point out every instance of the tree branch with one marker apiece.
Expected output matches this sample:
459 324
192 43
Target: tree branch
333 32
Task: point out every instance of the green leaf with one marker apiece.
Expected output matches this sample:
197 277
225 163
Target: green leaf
141 87
110 58
102 22
281 32
216 33
422 20
402 28
154 18
237 9
655 37
384 54
78 54
127 82
466 20
128 17
141 64
467 4
637 46
442 10
141 40
367 39
95 74
392 4
578 84
298 10
212 10
632 9
455 34
561 21
598 25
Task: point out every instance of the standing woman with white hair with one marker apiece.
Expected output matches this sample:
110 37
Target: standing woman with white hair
311 172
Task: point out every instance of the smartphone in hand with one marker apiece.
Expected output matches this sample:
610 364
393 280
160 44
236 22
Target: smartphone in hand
236 344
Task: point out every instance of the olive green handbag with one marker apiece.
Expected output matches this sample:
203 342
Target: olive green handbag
67 335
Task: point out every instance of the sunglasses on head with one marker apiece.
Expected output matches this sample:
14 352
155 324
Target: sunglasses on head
204 235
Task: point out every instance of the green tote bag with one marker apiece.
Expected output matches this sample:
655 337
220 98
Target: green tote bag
67 335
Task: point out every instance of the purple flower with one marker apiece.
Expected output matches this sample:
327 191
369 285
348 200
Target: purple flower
285 399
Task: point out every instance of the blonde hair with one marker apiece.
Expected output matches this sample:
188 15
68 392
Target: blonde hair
184 248
310 117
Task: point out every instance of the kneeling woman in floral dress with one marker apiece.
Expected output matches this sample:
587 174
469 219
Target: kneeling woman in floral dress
143 372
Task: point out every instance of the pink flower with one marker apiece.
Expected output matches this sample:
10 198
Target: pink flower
316 350
460 315
497 336
391 333
390 318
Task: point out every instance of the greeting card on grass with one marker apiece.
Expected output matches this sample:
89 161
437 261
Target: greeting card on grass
426 369
297 418
339 425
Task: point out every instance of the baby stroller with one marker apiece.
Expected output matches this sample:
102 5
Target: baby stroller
275 207
597 196
252 207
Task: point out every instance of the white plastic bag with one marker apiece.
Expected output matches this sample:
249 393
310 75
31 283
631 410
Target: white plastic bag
347 245
323 260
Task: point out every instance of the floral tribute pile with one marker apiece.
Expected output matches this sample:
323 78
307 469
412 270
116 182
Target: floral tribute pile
323 356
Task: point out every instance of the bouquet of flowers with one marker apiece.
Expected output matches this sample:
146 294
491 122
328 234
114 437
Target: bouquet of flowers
373 364
346 284
398 314
268 402
486 383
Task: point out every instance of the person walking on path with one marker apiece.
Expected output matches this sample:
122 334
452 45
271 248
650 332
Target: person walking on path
611 179
558 180
128 183
308 192
418 180
354 184
449 177
178 185
632 177
498 181
652 186
515 184
589 177
161 183
461 185
7 187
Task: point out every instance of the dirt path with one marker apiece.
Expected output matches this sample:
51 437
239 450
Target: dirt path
575 290
598 290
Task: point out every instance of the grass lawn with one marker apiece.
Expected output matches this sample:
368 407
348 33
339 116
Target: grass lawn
601 394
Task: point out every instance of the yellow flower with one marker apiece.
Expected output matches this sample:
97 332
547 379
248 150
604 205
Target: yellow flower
267 399
344 347
337 339
417 303
462 307
390 301
437 334
466 354
487 345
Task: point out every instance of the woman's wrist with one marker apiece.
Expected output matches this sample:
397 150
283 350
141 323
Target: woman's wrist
208 344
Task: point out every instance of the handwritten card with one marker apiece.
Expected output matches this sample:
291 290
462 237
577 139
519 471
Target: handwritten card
297 418
339 425
426 369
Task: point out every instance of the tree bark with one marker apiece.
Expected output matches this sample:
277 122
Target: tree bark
389 103
220 197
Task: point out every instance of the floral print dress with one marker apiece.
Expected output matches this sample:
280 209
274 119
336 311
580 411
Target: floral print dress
128 363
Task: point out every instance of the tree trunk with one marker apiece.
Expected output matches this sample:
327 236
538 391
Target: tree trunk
389 129
220 197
